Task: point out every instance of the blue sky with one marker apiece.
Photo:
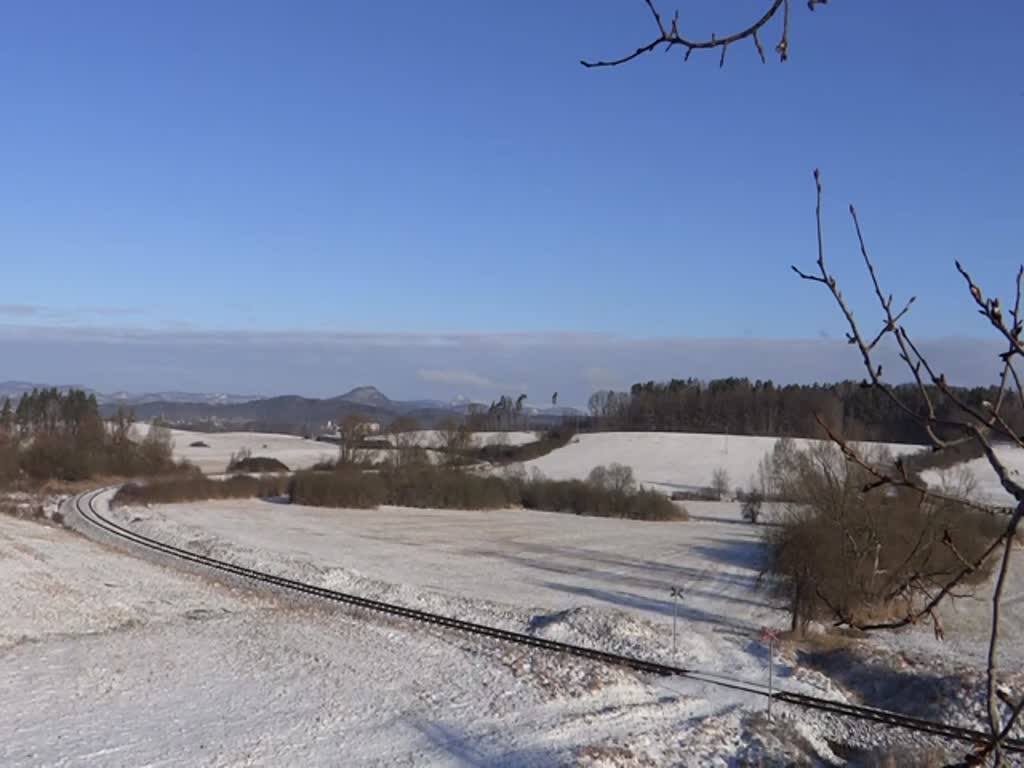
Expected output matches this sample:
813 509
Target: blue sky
449 167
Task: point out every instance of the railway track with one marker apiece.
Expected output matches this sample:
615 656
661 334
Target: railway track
84 505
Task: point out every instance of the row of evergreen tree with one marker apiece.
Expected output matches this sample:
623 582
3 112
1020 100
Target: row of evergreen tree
54 434
740 406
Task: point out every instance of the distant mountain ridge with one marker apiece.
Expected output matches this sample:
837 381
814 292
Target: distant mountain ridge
282 412
15 389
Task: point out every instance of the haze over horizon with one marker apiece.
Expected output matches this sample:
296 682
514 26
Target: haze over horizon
214 197
442 367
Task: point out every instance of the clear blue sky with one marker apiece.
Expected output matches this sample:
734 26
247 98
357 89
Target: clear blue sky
449 166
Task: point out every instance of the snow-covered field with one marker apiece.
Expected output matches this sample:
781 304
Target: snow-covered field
119 661
666 461
295 452
115 661
988 486
430 438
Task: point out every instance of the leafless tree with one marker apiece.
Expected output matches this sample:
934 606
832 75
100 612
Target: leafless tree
120 425
456 441
983 426
352 429
407 441
670 35
614 477
720 482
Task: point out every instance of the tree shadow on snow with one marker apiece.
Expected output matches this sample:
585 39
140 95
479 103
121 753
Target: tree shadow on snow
635 574
879 682
651 605
468 751
739 553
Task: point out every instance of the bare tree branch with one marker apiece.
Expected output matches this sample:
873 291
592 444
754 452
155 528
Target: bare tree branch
991 309
977 425
995 722
854 336
670 36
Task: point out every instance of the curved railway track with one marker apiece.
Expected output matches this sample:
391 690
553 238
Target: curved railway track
84 505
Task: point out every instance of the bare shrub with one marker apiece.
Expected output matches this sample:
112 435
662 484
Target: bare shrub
608 492
410 486
450 488
720 483
614 477
446 488
352 430
194 486
238 457
348 486
695 494
841 551
456 441
257 464
752 503
503 453
9 469
405 439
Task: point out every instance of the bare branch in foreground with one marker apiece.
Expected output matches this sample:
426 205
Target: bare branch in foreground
670 36
972 424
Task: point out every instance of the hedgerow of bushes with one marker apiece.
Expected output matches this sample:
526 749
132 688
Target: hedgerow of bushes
195 486
608 492
244 461
496 453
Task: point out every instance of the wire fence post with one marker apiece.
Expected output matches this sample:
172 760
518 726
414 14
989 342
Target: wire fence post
676 593
770 636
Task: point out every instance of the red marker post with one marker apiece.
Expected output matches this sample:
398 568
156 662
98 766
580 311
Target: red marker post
770 636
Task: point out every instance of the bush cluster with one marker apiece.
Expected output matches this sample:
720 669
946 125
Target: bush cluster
192 485
608 492
553 439
843 551
244 461
696 494
410 486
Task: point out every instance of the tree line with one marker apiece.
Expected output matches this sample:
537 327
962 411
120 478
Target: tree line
740 406
55 435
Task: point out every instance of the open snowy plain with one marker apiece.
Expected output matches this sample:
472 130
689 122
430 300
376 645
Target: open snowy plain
211 451
118 661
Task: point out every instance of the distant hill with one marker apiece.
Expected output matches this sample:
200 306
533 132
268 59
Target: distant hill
283 413
15 389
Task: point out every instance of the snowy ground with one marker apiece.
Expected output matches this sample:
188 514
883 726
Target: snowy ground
988 486
131 663
430 438
528 558
120 661
601 583
295 452
667 461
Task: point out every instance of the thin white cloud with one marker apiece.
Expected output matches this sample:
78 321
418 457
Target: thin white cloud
458 378
413 366
21 310
601 378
